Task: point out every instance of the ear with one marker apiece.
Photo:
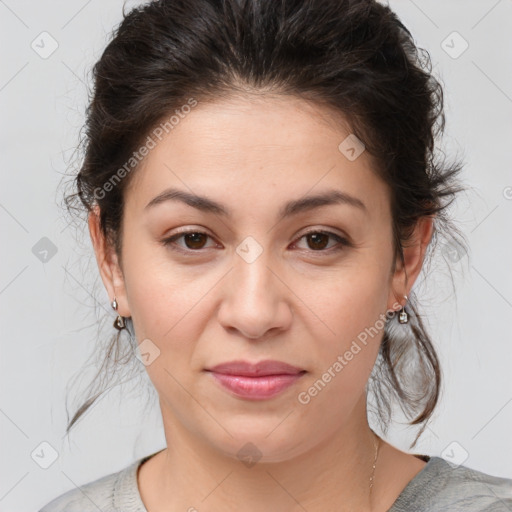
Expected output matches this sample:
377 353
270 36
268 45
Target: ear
110 271
414 254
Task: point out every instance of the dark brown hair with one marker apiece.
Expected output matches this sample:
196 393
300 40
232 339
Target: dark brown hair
353 56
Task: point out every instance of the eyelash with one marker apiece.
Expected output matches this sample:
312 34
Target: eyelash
342 241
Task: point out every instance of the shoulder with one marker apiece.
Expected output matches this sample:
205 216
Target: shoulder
99 494
441 486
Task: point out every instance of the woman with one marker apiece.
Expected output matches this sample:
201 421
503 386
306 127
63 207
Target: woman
262 193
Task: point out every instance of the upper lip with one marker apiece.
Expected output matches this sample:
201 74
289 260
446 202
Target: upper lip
259 369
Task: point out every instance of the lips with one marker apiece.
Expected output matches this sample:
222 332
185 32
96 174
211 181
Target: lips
255 381
259 369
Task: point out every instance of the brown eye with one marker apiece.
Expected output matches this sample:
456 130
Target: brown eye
192 241
319 241
195 240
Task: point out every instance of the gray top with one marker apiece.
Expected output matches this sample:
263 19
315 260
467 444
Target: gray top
438 487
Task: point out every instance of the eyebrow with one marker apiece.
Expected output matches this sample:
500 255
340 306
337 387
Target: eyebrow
294 207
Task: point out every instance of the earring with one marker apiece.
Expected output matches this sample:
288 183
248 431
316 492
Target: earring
119 322
403 317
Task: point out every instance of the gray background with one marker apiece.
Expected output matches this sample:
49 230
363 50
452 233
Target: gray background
48 314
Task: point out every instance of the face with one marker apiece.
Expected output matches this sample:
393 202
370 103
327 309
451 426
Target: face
264 273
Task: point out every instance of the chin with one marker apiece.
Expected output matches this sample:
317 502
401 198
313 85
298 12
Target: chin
261 445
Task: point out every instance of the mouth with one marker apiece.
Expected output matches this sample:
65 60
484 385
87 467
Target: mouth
256 381
257 369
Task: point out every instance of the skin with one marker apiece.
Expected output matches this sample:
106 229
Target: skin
293 303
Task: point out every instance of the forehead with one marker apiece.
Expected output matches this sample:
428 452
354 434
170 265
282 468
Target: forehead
254 146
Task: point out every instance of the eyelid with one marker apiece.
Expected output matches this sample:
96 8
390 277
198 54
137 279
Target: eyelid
325 231
342 240
168 241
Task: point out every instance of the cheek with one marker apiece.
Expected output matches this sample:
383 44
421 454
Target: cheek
350 302
352 313
160 294
167 310
344 360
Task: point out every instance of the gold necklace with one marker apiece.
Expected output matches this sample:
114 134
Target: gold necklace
377 445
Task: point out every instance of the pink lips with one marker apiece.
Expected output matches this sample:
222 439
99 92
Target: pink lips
258 381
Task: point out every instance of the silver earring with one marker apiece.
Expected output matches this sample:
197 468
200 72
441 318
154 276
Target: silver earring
119 322
403 317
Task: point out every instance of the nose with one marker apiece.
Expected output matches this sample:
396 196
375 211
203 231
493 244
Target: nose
256 299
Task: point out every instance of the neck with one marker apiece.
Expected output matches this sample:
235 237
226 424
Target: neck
333 473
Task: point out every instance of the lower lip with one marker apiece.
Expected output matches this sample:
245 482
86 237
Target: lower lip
256 388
